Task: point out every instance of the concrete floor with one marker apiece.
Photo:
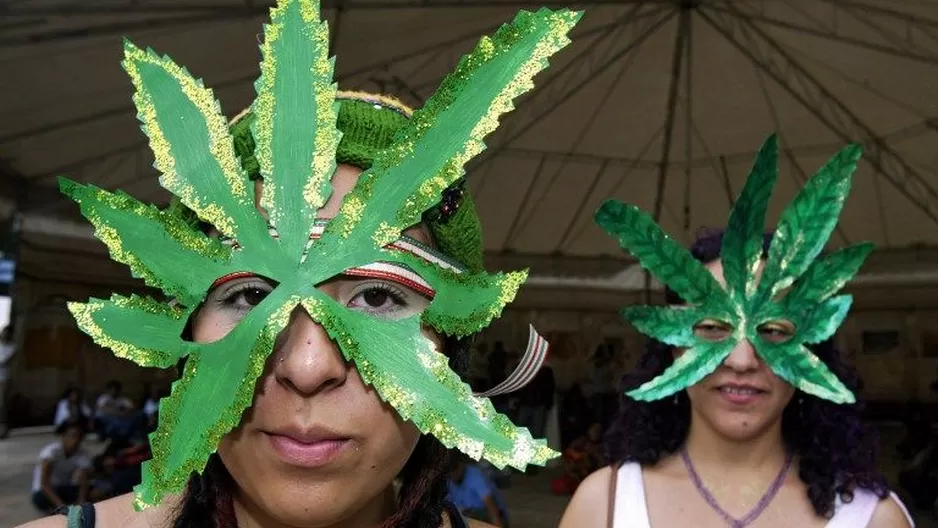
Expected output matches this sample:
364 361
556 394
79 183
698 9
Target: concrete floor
529 499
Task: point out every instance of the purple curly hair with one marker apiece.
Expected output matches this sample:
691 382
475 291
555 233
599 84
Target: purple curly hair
836 449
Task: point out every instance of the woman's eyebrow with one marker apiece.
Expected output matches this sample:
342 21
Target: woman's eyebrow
394 273
230 277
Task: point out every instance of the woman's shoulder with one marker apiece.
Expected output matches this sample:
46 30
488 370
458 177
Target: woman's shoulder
448 522
890 513
478 524
590 503
118 512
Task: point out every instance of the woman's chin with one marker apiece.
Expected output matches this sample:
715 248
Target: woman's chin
325 505
741 428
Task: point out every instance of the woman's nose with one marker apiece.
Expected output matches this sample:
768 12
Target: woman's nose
306 360
743 357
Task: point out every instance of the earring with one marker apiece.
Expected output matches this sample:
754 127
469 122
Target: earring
675 399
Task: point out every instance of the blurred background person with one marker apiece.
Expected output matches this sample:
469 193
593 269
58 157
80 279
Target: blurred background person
72 408
474 494
60 477
7 350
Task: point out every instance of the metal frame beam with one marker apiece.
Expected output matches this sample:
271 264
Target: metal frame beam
77 10
778 64
581 136
913 20
777 124
564 238
121 28
709 159
23 193
834 35
251 77
528 193
550 106
630 165
677 61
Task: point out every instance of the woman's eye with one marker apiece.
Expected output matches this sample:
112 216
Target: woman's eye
375 298
712 330
252 296
776 332
244 295
378 298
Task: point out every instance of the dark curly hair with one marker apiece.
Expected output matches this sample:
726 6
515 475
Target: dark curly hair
836 449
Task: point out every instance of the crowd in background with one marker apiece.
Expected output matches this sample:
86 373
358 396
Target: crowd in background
68 472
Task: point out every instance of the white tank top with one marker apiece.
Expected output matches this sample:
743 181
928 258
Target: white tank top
631 511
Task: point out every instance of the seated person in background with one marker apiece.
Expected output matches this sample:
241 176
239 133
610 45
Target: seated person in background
114 413
72 408
474 494
117 470
61 475
582 457
152 406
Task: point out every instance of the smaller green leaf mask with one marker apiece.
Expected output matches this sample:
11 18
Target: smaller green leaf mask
296 136
796 290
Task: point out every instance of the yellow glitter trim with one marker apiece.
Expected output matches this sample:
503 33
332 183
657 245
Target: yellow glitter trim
84 314
220 143
555 38
384 100
317 190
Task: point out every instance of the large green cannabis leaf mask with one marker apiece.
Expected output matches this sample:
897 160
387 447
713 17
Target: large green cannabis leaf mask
796 288
296 142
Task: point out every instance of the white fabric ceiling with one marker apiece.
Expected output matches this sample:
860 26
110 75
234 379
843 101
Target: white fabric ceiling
819 73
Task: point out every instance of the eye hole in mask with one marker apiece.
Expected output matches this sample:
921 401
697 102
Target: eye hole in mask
712 330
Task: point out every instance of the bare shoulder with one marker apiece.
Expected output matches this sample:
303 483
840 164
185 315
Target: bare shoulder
890 513
590 503
479 524
55 521
119 512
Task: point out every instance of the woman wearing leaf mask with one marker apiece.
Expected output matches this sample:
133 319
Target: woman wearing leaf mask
741 413
312 317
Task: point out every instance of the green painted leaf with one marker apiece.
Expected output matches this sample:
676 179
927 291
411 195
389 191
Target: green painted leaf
825 277
193 149
689 368
158 247
216 387
657 252
295 134
405 369
465 303
139 329
742 240
449 131
295 99
670 325
824 319
798 366
806 224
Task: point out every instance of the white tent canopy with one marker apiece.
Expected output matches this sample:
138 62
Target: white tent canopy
657 103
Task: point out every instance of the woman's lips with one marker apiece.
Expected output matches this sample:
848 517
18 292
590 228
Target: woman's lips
740 394
310 454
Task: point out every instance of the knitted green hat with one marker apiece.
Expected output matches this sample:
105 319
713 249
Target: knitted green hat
369 124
